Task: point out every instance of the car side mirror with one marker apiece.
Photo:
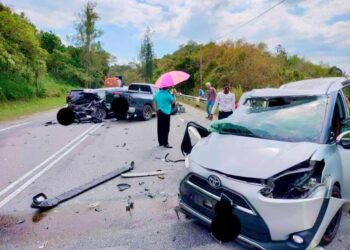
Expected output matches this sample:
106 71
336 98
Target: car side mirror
344 140
194 135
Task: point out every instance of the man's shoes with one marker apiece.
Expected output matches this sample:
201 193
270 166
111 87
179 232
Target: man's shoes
168 146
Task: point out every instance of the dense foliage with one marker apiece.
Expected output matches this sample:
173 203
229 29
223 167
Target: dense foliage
29 59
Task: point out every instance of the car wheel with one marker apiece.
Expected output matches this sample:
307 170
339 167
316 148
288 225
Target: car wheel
147 112
100 114
333 226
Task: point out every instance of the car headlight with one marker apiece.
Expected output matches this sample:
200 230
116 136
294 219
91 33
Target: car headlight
296 182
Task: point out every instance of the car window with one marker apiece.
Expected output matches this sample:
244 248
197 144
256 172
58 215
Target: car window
346 92
292 119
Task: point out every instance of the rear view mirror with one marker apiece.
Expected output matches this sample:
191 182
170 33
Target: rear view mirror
344 140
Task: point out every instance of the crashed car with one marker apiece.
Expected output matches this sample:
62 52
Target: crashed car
282 159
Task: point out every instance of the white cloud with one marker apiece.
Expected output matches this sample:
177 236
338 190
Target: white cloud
183 20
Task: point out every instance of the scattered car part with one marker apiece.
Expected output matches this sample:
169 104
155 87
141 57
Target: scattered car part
144 174
40 201
123 186
174 161
20 221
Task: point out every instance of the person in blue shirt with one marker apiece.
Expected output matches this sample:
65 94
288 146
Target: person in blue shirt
162 105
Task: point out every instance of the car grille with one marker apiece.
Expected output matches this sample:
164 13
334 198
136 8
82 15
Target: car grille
203 183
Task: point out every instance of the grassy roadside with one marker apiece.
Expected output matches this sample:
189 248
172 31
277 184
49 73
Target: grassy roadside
13 110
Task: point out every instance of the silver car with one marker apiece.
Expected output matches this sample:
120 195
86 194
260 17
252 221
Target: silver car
281 160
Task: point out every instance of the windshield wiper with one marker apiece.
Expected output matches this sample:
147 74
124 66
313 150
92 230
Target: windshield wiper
238 130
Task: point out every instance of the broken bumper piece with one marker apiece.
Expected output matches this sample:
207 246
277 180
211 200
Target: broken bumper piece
266 223
40 201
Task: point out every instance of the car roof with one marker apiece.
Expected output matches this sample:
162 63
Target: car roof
308 87
318 86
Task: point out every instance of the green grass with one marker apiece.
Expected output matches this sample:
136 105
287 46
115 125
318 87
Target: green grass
13 110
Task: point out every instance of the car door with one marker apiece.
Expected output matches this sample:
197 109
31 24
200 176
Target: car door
345 153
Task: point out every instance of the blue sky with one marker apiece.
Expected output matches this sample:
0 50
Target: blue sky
319 30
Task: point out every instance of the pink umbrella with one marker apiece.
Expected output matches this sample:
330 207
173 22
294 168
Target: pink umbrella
171 79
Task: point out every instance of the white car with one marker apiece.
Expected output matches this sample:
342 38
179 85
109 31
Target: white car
282 161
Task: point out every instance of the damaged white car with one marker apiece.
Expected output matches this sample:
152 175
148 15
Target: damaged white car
282 160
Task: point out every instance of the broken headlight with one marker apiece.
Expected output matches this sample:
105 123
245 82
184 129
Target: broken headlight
295 183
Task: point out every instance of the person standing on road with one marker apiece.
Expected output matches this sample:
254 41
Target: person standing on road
226 103
162 103
211 95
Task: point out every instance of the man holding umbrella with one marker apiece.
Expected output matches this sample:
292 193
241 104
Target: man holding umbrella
163 101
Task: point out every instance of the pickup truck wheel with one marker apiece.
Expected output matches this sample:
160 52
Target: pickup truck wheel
333 226
147 112
120 108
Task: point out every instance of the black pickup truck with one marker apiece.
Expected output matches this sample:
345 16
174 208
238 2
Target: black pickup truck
135 102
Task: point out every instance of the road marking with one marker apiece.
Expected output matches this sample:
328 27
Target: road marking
14 126
31 180
46 161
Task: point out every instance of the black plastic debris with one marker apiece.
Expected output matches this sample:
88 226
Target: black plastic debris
123 186
130 204
40 201
98 209
50 123
166 159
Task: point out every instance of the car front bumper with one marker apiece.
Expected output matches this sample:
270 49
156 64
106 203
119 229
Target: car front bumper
265 223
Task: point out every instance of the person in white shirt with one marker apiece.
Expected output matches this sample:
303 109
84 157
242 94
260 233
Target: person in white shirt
226 103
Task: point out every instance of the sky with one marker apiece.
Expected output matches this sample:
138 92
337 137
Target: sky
318 30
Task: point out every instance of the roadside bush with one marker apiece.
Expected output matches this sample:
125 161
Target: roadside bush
15 88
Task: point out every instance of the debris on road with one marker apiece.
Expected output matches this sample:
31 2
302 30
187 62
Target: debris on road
150 195
43 245
141 183
144 174
174 161
130 204
98 209
124 144
40 201
50 123
123 186
20 221
161 177
93 205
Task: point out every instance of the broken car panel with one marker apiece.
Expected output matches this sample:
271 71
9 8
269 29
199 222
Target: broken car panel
282 159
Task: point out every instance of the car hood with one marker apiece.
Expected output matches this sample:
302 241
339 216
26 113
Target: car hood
249 157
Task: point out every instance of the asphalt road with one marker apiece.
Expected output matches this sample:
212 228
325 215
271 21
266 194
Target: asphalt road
52 159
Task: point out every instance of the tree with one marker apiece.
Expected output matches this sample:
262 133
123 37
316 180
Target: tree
87 33
147 56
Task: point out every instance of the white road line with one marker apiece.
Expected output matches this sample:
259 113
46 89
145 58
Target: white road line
31 180
46 161
15 126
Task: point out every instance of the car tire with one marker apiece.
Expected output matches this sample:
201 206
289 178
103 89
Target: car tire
100 114
333 226
147 112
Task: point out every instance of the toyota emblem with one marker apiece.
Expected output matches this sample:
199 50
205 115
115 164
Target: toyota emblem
214 181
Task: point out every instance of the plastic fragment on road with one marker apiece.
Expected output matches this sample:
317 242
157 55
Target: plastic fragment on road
43 245
20 221
123 186
144 174
40 201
